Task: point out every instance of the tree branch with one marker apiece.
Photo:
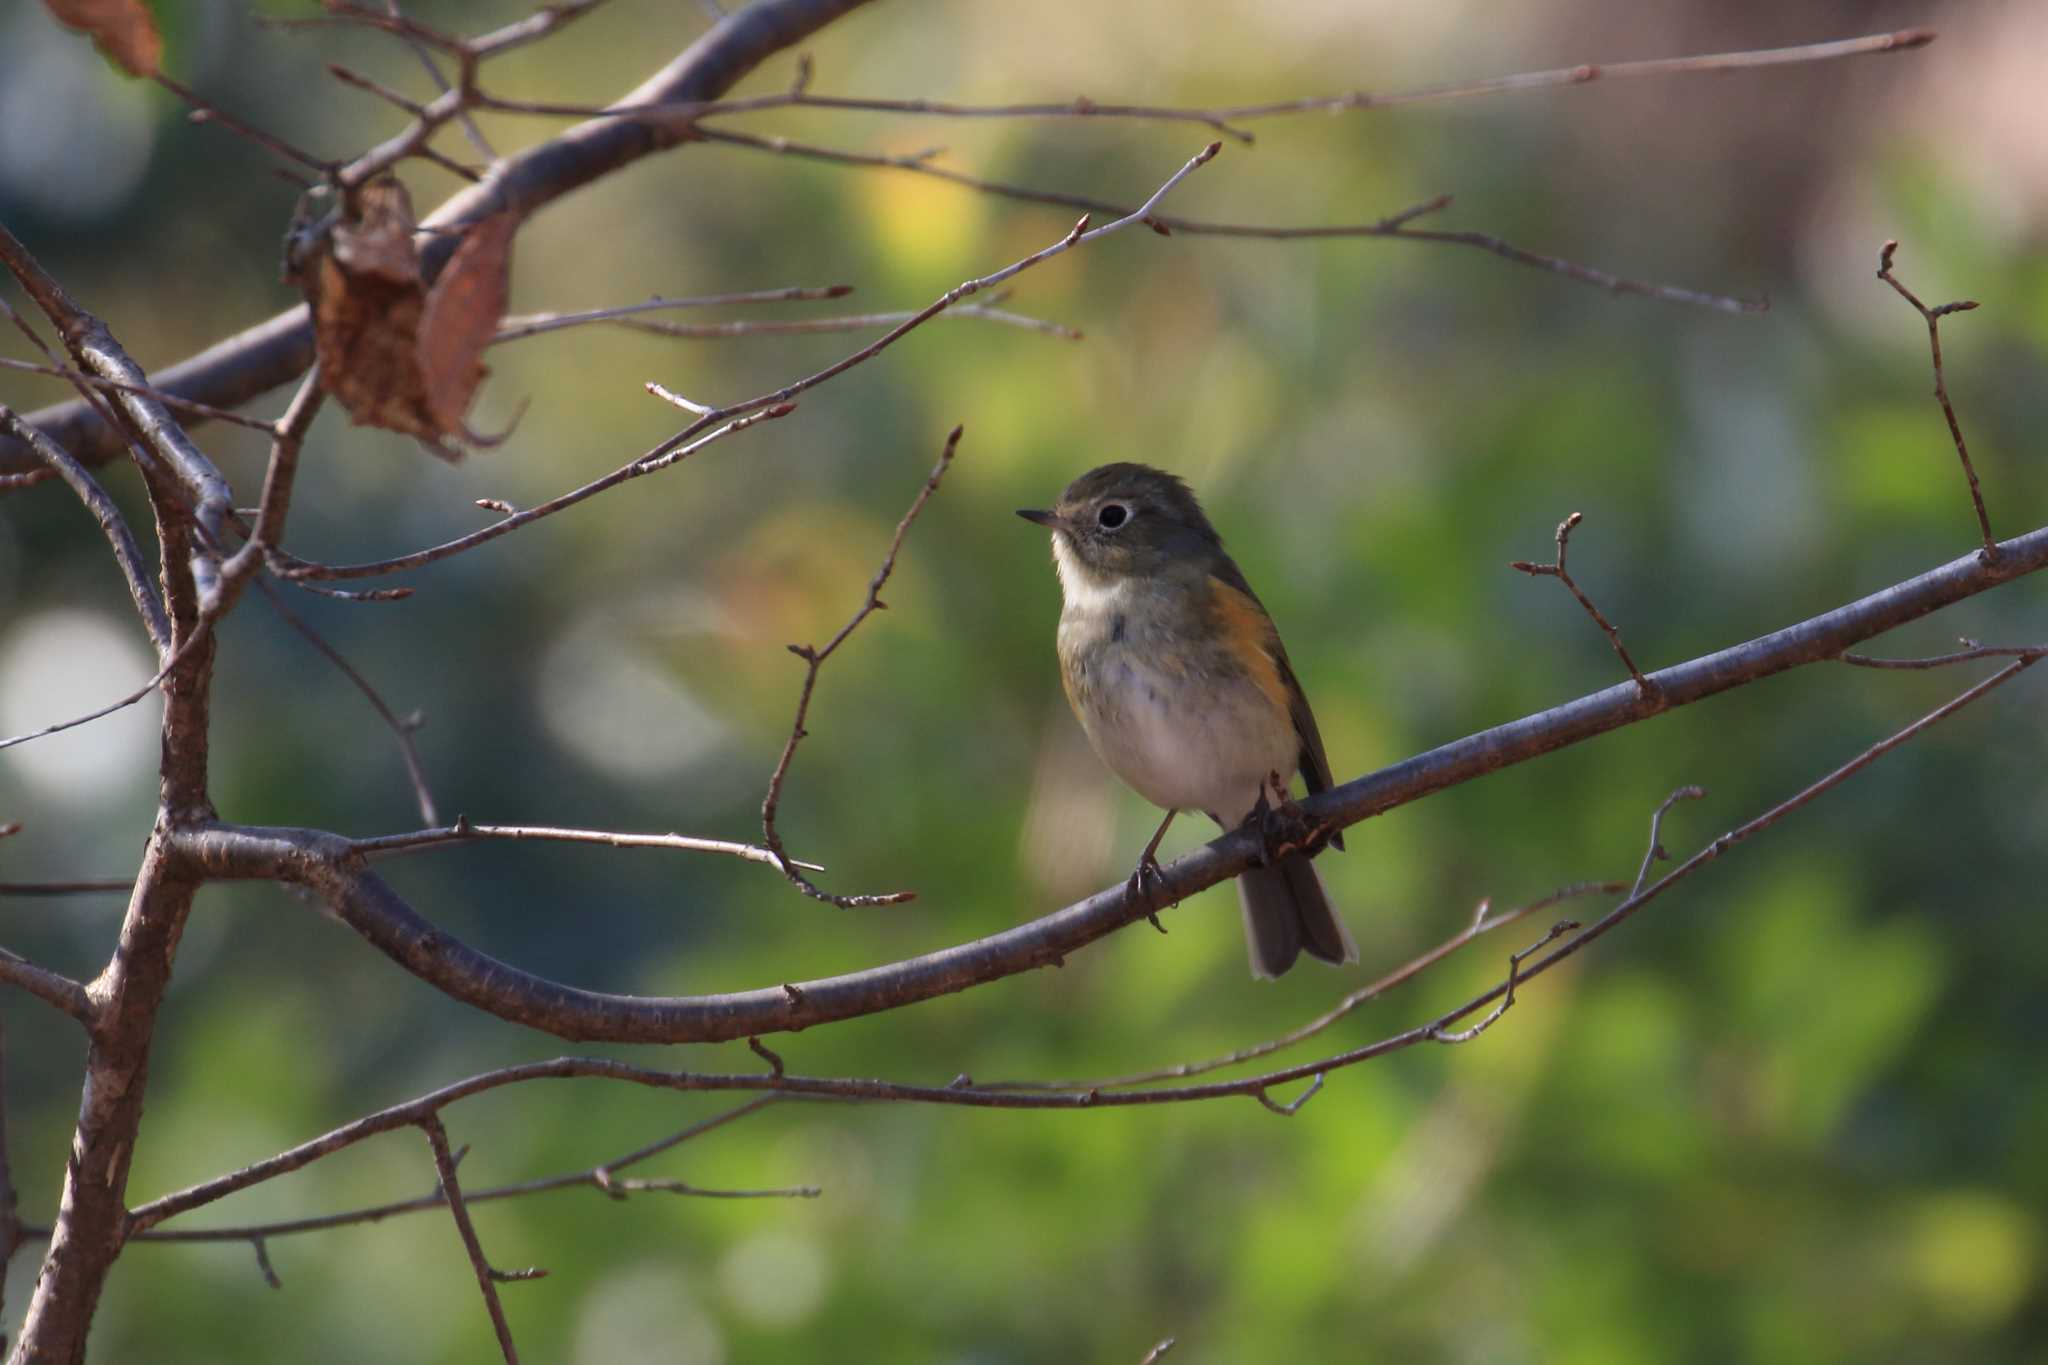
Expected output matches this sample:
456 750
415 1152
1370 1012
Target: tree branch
1394 225
1933 317
50 987
814 659
486 1277
329 866
736 416
1556 569
277 350
127 553
463 832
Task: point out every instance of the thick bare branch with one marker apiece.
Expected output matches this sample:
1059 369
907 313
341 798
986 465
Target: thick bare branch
280 349
329 865
91 1218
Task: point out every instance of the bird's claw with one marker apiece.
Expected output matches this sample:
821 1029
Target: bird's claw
1136 888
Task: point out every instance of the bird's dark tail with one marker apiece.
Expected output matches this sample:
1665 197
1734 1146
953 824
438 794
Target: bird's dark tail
1287 912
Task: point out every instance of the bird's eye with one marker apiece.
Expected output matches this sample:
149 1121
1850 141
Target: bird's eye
1112 515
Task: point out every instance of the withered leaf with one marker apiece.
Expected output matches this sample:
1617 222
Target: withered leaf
121 29
462 315
378 239
394 353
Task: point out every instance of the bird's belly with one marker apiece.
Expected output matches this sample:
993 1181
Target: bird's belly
1185 740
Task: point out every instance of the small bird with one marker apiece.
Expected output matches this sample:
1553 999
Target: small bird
1177 674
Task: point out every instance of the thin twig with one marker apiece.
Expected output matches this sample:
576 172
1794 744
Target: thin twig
1392 226
301 570
185 648
433 68
1507 999
263 1265
1655 853
462 832
1292 1107
600 1177
849 322
110 885
1223 118
534 324
402 728
168 399
814 659
1483 922
202 112
1152 1356
1644 687
1971 650
1933 317
486 1277
737 416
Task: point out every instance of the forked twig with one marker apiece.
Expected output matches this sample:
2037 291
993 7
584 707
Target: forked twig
1558 571
1507 999
814 659
1933 317
1655 853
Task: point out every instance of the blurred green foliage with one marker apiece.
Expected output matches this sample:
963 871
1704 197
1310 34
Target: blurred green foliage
1792 1114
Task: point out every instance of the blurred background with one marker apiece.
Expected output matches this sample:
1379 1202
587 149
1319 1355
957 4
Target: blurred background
1792 1113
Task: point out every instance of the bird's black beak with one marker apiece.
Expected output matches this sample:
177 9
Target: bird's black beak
1043 518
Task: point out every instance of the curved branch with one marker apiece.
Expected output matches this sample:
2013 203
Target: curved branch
329 865
275 351
126 553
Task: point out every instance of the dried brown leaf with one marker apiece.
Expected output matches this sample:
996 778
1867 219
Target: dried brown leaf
394 353
461 319
123 30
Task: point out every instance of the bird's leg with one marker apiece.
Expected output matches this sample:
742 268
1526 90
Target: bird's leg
1148 866
1284 827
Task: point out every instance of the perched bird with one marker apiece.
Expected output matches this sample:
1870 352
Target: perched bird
1177 674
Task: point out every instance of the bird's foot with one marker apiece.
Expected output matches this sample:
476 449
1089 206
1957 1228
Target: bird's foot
1146 875
1284 827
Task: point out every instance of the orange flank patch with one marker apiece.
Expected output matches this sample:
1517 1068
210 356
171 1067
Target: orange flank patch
1250 635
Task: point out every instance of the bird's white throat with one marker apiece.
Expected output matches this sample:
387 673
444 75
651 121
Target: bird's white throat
1083 589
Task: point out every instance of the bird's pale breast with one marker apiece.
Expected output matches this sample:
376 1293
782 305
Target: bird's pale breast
1187 714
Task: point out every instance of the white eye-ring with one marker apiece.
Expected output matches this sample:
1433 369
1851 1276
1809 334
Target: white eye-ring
1112 515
